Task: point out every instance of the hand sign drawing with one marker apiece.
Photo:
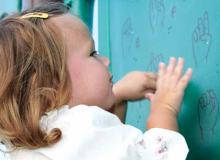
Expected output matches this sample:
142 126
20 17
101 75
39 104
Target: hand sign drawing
154 61
157 14
201 40
127 36
208 109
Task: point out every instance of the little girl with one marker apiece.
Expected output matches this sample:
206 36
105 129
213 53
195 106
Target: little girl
55 93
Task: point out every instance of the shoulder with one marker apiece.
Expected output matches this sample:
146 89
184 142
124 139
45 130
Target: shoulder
81 127
27 154
81 116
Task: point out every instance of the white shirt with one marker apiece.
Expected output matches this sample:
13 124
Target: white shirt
91 133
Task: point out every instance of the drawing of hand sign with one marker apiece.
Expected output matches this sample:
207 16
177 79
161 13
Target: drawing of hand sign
127 36
154 61
157 14
201 40
208 109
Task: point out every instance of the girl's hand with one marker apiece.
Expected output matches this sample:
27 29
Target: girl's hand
165 103
170 85
135 85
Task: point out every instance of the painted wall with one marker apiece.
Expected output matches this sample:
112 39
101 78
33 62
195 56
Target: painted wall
141 33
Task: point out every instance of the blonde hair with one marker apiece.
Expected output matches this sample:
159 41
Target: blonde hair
34 77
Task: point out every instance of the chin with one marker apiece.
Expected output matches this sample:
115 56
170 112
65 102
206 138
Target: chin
110 106
107 105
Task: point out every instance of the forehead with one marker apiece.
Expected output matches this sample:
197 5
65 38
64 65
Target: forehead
70 22
74 31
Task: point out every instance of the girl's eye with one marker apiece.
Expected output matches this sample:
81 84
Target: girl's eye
94 53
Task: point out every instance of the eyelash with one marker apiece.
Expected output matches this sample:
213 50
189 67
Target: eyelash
94 53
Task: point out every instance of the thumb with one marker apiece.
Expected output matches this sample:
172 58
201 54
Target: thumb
149 96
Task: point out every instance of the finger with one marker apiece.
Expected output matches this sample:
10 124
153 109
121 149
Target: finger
149 96
150 84
185 79
195 36
203 27
200 26
151 75
179 68
149 91
161 73
206 23
162 69
171 66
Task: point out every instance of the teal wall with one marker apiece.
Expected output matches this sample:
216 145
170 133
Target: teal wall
9 6
83 9
138 34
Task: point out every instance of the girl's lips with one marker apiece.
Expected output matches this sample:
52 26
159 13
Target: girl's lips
111 77
111 80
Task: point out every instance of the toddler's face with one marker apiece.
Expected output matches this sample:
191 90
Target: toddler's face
91 80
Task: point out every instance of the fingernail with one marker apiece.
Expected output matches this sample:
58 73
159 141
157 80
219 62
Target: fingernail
189 71
172 59
180 59
161 64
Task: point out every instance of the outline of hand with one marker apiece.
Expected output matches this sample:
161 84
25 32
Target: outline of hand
154 61
127 36
208 107
201 40
157 14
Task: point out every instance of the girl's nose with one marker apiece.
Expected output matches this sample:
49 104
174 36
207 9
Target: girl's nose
105 61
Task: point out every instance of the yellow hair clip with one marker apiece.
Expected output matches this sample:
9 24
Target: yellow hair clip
35 15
